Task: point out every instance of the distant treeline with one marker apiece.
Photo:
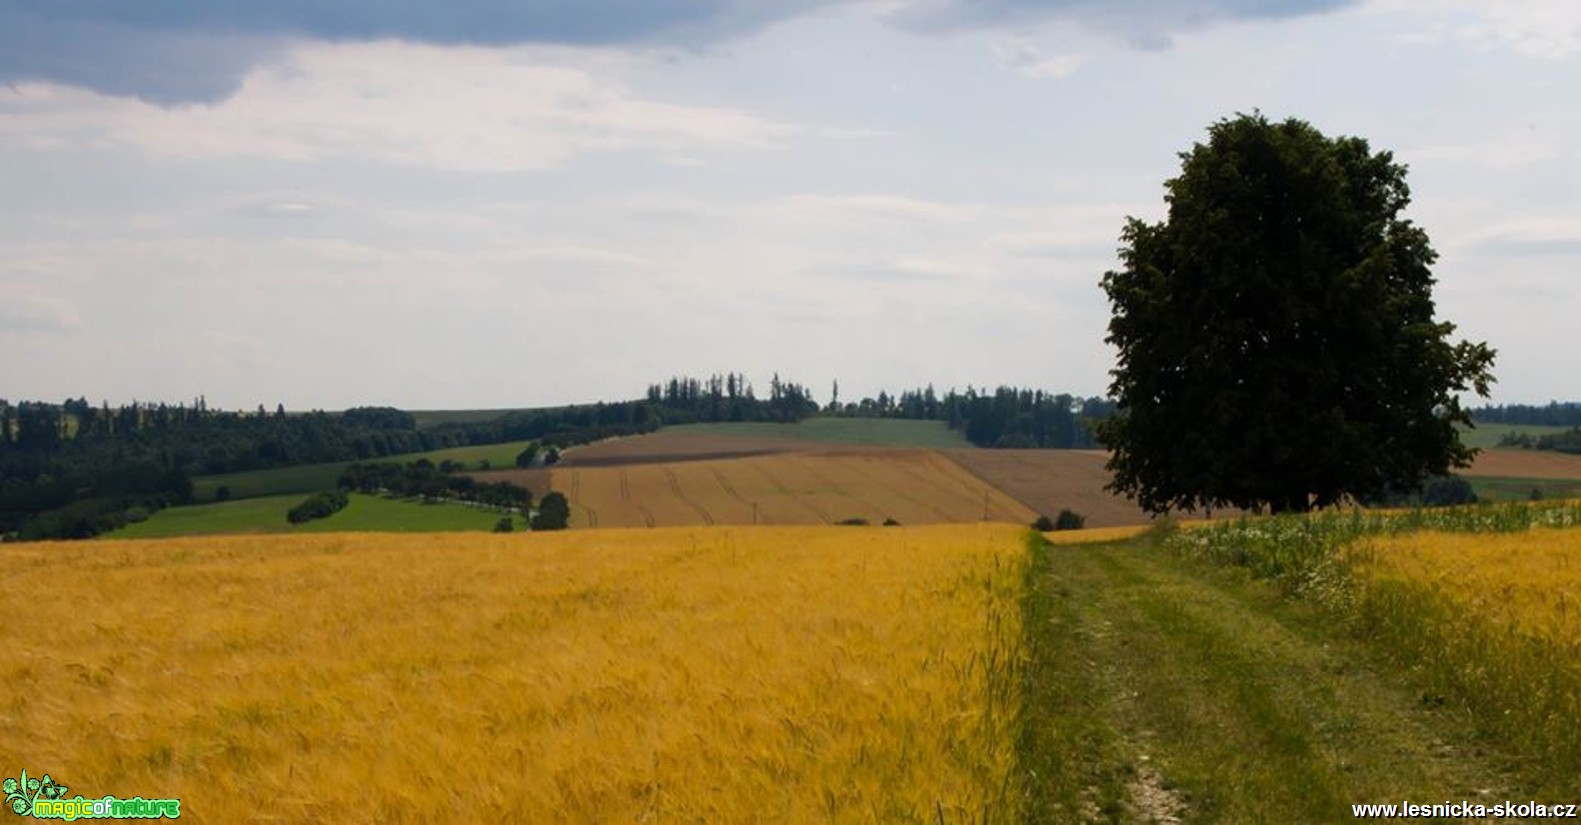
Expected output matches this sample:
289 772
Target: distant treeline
1567 441
73 470
1552 414
1007 417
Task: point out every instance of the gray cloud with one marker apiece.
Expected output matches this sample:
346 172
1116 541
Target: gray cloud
1145 24
184 51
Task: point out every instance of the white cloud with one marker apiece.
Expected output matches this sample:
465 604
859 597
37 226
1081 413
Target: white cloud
1547 235
464 109
1022 56
880 206
1548 29
24 310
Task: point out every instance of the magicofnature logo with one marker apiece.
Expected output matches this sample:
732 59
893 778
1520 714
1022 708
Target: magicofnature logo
44 798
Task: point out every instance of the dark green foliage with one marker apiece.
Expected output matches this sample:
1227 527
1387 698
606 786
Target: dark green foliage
1069 520
422 479
1007 417
526 457
552 456
1277 346
852 522
504 525
223 493
1437 491
1447 491
1553 414
1043 524
318 505
378 418
890 522
1568 441
554 513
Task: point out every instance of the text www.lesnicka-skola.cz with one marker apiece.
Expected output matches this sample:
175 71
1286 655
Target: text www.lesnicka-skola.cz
1469 810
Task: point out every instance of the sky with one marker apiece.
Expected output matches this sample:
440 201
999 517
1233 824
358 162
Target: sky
514 203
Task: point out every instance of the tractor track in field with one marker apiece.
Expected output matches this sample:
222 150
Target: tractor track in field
837 490
865 472
675 487
575 498
1168 691
785 491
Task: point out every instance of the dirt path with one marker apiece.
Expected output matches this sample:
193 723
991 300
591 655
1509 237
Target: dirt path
1159 693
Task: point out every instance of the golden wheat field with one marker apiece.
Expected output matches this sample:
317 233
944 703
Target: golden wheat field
908 486
1529 580
727 674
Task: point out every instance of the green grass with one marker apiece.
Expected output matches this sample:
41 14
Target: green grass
878 432
1487 434
1518 691
499 456
1504 488
1156 687
267 515
306 478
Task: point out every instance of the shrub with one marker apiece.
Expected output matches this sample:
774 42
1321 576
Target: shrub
1069 520
1044 524
853 522
1447 491
890 522
554 513
504 525
223 493
318 505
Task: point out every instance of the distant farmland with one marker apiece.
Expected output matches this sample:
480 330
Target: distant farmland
908 486
1048 481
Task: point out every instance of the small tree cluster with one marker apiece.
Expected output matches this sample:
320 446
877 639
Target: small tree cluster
318 505
554 513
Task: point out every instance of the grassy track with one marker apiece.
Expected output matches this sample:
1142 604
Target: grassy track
1160 690
876 432
267 515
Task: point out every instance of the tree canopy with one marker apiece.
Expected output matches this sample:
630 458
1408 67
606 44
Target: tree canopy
1276 339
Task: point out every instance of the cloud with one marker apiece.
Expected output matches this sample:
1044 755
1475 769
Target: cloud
184 51
1021 56
881 207
23 311
1545 236
172 52
1146 24
1547 29
462 109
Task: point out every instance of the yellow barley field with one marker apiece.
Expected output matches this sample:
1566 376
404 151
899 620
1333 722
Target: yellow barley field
909 486
1530 581
763 674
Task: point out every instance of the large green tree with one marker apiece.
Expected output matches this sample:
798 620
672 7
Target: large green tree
1277 345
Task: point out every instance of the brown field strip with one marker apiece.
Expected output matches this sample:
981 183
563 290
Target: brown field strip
910 486
664 447
1525 464
1047 481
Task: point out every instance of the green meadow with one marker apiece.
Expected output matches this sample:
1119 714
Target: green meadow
266 514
